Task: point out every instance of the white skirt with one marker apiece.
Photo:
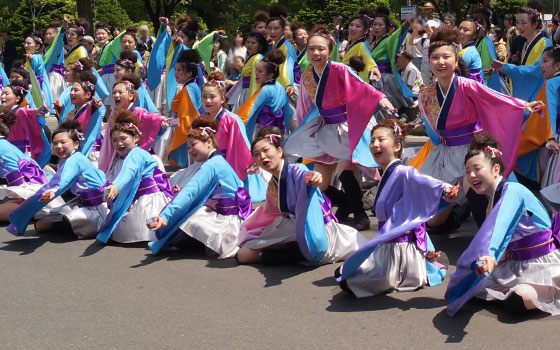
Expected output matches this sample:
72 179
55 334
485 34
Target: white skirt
56 80
314 140
161 146
342 240
85 220
158 96
397 267
132 227
238 98
109 80
219 233
541 275
446 163
24 191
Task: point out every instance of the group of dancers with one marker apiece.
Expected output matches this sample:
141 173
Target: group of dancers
295 122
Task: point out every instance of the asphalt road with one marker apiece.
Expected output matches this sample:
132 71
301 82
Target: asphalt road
62 293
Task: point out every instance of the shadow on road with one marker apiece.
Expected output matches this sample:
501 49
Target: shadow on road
342 302
28 244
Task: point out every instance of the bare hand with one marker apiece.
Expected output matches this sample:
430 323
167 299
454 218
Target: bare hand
160 223
530 106
47 196
490 261
165 123
375 73
96 102
450 194
176 189
289 90
113 192
314 178
42 112
553 145
386 104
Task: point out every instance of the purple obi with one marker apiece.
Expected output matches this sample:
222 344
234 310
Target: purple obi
297 74
416 235
93 197
156 183
475 75
326 207
246 82
28 172
23 145
239 205
334 115
58 68
97 144
108 69
459 136
535 245
268 118
384 67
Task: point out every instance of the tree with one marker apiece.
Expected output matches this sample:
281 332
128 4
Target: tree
85 10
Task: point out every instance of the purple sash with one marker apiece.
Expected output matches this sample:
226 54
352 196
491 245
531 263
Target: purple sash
97 144
384 67
475 75
417 234
108 69
239 205
326 207
246 82
93 197
268 118
297 74
535 245
459 136
58 68
334 115
28 172
156 183
23 145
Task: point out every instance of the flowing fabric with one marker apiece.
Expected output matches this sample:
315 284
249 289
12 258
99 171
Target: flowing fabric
211 174
186 112
38 67
76 169
360 48
487 51
91 120
158 55
286 69
30 127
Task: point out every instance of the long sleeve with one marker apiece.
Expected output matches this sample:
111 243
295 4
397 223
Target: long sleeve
204 48
157 58
112 51
55 53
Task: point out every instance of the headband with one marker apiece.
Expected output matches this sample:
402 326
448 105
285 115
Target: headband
495 152
205 131
220 83
23 67
127 63
89 84
37 39
273 137
79 134
132 126
397 129
271 63
130 32
128 84
79 64
535 12
82 29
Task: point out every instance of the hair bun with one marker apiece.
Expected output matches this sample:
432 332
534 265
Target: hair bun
481 141
126 116
276 56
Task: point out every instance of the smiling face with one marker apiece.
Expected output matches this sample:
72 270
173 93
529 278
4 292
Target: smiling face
78 96
101 35
8 98
267 156
69 75
200 150
50 34
30 45
128 43
356 30
301 37
121 71
122 96
481 175
548 66
260 27
123 142
212 100
261 75
443 62
63 145
318 51
526 28
466 32
252 45
275 31
383 146
72 37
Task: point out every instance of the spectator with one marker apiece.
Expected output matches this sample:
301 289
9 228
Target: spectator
115 31
516 49
428 10
288 32
511 32
413 41
144 40
237 50
410 74
499 43
556 25
340 33
93 51
219 57
9 52
449 20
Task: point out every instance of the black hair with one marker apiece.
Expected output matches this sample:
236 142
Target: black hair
510 18
125 121
274 58
189 60
263 44
357 63
19 68
398 131
72 127
7 119
533 9
277 12
127 60
19 90
482 144
264 132
554 52
87 81
131 31
364 19
102 25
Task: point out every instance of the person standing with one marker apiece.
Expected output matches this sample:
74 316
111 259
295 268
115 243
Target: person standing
9 52
428 10
144 40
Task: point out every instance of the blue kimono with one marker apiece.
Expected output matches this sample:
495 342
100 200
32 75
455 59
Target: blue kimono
38 67
215 178
138 165
286 69
271 108
518 228
91 120
17 167
76 173
470 55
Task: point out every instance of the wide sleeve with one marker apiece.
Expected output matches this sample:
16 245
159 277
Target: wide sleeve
286 74
157 58
254 86
112 51
262 99
93 129
193 196
238 153
304 104
204 48
150 125
421 195
55 50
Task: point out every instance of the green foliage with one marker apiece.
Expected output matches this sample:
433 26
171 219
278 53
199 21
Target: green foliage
111 12
502 8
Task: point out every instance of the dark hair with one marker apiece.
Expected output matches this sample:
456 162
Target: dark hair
451 17
53 24
102 25
82 65
479 145
418 19
127 60
19 68
19 90
80 26
204 121
295 26
554 52
510 18
189 60
274 58
385 19
87 81
277 12
322 31
483 19
7 119
405 55
215 80
72 127
37 37
478 28
182 20
462 68
132 79
190 34
442 37
260 16
382 10
357 63
364 19
398 131
367 11
268 130
131 31
125 121
263 44
530 9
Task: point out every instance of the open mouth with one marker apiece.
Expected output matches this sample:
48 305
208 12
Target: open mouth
377 154
266 163
476 184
